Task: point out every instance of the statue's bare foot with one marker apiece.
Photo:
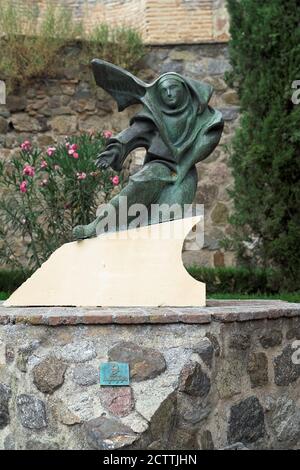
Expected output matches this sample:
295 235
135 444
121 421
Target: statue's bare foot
84 231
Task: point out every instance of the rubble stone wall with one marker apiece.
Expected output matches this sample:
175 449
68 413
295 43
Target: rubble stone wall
211 385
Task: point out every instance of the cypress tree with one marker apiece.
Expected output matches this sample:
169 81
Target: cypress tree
265 154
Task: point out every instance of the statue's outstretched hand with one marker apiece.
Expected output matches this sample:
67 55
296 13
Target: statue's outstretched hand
106 158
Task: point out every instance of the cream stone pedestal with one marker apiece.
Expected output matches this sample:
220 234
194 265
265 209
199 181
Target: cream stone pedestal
137 267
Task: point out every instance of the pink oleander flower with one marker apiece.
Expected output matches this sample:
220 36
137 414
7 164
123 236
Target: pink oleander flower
26 146
28 170
23 187
115 180
44 164
81 176
75 155
56 167
50 151
72 148
107 134
68 145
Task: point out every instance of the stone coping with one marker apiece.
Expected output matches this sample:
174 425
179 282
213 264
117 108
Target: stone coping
216 310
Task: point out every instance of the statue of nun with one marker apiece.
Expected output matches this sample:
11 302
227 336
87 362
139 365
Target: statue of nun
177 128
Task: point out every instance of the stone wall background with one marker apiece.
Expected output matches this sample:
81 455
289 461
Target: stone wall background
49 109
215 386
159 21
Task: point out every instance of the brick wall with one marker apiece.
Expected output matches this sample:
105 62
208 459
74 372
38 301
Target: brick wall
159 21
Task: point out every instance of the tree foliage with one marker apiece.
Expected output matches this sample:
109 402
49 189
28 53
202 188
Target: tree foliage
265 154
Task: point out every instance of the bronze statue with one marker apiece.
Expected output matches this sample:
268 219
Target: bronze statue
177 128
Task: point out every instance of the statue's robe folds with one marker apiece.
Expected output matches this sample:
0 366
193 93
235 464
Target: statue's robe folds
175 138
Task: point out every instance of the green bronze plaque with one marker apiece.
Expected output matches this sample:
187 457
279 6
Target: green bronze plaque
114 373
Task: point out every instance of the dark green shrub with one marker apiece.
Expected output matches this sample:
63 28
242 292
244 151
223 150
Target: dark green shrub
265 155
237 280
10 280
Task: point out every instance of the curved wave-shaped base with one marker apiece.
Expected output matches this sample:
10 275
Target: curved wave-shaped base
137 267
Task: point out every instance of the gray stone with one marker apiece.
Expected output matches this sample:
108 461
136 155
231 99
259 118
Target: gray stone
206 194
62 111
153 60
3 125
289 431
16 103
67 416
86 375
293 333
54 102
144 363
182 437
239 341
217 66
4 111
31 412
182 54
9 442
49 374
246 422
22 122
195 69
40 445
285 372
9 353
5 395
230 113
80 351
229 378
215 342
193 380
220 213
257 368
285 420
64 126
191 410
235 446
205 350
92 122
213 243
108 433
163 420
217 83
271 338
24 353
83 94
171 66
206 441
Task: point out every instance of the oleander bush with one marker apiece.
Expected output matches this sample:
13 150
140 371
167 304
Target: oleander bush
45 194
265 155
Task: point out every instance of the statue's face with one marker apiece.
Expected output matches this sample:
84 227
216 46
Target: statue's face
172 92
